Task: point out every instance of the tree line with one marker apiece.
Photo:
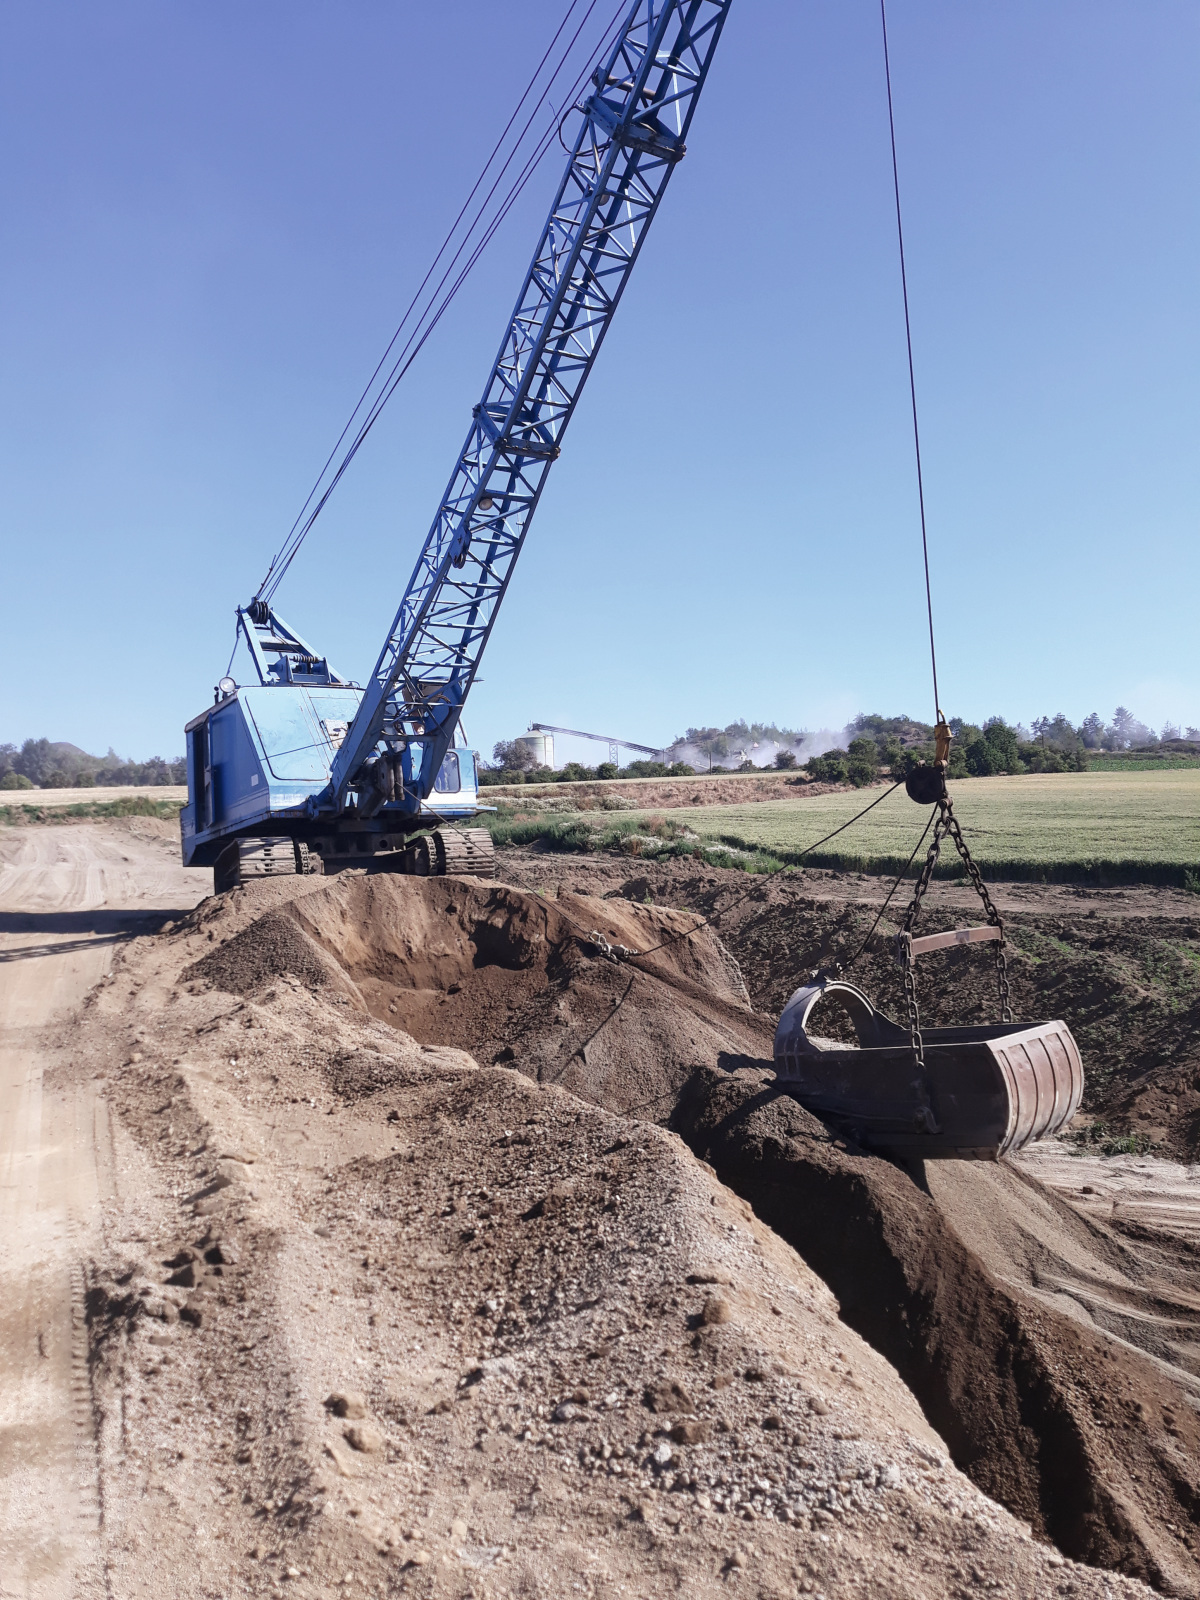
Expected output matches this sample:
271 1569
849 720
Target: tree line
47 764
1049 744
871 744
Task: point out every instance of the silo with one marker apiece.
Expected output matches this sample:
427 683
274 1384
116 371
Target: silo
541 745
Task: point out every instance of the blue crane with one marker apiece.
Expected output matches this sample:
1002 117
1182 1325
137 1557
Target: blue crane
306 763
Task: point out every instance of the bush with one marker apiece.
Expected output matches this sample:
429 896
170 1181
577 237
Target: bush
15 780
607 770
785 760
84 780
866 751
860 772
680 769
891 753
56 778
829 768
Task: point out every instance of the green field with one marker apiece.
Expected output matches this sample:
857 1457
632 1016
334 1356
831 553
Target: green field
1114 826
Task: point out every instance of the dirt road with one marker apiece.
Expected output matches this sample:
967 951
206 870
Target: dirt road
67 896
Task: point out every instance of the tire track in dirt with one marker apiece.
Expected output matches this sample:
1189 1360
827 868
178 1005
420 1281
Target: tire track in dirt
67 897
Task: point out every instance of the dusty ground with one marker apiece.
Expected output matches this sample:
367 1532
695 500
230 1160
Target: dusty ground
68 898
55 799
407 1269
703 790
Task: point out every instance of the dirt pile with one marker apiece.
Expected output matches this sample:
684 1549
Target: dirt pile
513 977
370 1314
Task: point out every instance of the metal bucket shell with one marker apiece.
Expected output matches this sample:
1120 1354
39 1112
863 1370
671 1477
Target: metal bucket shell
986 1091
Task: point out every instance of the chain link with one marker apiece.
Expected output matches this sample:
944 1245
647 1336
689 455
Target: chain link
993 916
947 823
904 940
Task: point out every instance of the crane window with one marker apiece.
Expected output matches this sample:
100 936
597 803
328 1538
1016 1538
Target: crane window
448 780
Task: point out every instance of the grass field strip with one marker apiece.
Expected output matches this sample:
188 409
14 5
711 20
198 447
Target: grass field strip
1136 825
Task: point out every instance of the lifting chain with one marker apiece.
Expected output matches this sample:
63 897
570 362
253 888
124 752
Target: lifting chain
947 823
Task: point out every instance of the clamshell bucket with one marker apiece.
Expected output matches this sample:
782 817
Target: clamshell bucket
981 1092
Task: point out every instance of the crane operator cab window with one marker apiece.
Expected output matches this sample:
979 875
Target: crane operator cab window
448 780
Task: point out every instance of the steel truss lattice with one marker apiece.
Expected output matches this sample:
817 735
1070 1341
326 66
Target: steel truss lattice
632 133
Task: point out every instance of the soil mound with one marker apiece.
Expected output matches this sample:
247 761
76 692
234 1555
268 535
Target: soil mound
949 1273
516 978
271 947
973 1283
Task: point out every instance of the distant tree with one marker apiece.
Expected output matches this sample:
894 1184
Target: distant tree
1003 742
513 756
785 760
680 769
981 758
15 780
608 769
1123 724
1191 733
1169 731
34 760
7 755
1091 731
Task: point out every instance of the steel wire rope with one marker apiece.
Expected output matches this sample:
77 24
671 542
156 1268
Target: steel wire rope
444 246
900 879
912 379
410 353
428 320
807 851
704 922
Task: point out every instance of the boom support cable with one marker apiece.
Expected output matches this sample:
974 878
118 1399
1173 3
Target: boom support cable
912 379
429 317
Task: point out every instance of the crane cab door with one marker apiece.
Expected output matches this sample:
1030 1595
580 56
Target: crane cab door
200 775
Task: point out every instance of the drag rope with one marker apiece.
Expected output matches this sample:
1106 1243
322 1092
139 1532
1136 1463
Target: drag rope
686 933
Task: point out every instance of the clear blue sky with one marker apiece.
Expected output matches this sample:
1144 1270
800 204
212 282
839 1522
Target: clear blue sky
214 213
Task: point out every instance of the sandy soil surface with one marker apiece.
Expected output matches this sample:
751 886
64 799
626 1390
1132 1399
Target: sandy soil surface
55 799
408 1243
67 898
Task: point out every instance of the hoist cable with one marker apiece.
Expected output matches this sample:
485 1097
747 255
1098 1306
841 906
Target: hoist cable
429 317
912 379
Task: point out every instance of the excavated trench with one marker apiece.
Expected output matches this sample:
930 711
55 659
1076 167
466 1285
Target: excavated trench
1054 1358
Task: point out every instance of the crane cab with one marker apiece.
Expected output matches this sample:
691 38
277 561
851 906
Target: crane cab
258 764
